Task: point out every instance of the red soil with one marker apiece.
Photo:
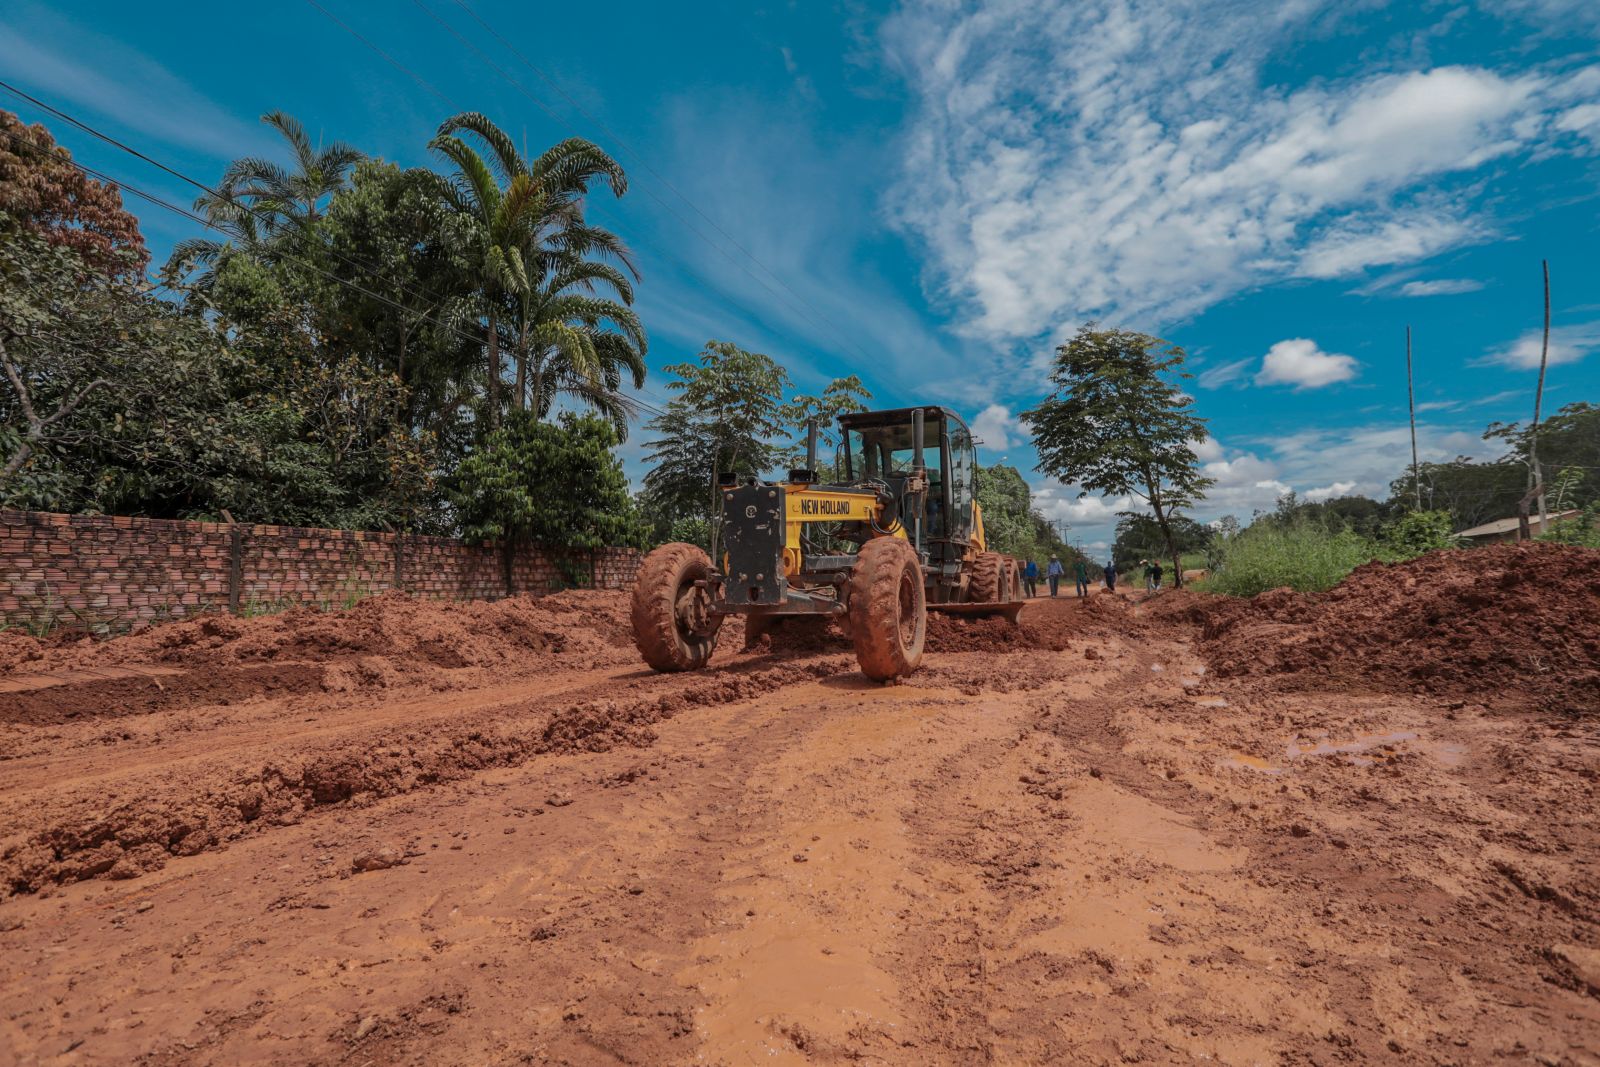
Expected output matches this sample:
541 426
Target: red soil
1507 623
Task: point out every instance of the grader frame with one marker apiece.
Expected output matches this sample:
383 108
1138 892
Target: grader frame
919 537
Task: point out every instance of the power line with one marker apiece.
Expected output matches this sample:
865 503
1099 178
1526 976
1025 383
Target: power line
209 224
208 190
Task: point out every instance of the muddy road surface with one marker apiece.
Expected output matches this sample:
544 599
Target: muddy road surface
386 838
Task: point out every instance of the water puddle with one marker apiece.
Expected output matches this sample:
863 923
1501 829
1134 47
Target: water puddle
1240 761
1363 750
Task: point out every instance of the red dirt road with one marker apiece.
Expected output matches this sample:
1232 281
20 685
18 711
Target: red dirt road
1066 843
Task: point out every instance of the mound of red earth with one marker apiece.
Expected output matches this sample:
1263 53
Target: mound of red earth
578 629
1507 624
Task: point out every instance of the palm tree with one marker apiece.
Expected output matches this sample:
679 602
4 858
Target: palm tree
258 201
578 343
282 195
538 269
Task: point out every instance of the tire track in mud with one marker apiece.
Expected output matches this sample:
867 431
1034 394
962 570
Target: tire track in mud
91 833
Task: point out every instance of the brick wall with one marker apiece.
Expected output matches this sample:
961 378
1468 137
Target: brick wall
97 571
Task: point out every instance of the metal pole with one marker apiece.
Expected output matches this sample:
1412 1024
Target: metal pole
1411 402
920 471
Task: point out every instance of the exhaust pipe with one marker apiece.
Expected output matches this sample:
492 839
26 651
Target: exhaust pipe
921 471
811 445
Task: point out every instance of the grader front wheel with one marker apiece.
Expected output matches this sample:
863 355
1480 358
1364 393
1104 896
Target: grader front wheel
673 626
888 613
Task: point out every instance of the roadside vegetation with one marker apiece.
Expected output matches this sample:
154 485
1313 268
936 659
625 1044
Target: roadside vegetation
454 350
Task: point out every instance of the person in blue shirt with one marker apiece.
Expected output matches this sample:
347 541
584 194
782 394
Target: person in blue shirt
1111 575
1030 578
1054 573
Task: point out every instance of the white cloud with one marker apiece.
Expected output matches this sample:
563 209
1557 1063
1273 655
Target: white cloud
1568 344
1208 450
1318 463
1217 377
1059 502
1329 492
996 429
1300 363
1071 159
1441 287
46 50
1344 251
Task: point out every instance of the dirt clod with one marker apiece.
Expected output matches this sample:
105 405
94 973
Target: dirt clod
378 859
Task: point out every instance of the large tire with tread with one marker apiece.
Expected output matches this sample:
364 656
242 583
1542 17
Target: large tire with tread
672 627
1010 581
988 579
888 609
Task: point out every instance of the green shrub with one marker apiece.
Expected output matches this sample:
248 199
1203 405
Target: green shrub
1417 532
1307 557
1582 530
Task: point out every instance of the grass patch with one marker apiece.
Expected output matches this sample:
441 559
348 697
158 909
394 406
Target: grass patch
1305 557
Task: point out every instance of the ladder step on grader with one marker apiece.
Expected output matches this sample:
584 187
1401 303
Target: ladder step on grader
895 537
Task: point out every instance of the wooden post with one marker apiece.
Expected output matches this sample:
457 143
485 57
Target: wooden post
235 561
400 560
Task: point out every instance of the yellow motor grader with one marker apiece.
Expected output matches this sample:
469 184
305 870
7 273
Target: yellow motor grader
901 534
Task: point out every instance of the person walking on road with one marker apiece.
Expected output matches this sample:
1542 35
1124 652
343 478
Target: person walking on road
1111 575
1155 576
1030 578
1055 572
1080 571
1150 567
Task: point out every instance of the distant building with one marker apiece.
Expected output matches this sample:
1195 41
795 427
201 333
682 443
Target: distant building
1506 529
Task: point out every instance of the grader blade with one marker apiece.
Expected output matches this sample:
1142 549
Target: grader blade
1008 610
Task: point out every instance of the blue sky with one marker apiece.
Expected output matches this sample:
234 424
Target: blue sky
932 193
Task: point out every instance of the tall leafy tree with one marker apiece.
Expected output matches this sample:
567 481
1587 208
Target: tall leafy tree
840 397
415 309
559 485
41 192
726 416
1116 424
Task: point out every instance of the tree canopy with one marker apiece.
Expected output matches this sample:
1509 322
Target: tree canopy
328 351
1115 424
41 192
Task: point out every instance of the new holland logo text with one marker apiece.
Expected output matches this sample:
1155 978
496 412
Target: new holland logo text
824 507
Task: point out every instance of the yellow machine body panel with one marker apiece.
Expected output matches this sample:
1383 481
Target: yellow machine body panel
805 503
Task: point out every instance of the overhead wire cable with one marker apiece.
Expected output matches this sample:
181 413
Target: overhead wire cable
209 224
201 220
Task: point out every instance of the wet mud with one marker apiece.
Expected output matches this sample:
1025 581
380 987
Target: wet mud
484 834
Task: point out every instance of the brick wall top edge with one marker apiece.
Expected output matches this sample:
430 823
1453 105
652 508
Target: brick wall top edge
15 517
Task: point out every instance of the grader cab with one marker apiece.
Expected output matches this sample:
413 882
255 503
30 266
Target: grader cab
897 533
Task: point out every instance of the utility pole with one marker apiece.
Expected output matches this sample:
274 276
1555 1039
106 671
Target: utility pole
1411 402
1535 475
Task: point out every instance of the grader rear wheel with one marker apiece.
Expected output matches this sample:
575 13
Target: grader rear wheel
673 626
988 579
888 613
